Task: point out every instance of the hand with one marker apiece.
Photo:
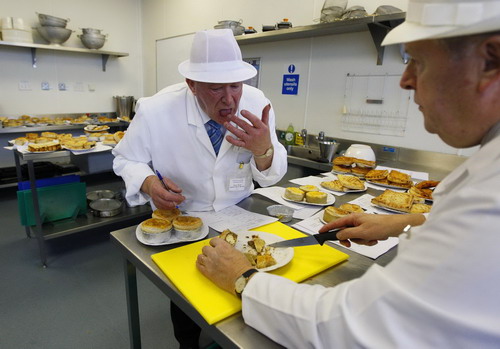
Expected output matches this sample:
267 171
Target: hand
222 264
367 229
166 199
255 136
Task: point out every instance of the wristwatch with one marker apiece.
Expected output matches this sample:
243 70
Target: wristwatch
241 282
267 154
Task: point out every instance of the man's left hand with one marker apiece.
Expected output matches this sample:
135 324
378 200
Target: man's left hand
222 264
254 136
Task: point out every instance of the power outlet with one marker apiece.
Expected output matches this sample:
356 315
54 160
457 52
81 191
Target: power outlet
45 86
24 85
61 86
78 86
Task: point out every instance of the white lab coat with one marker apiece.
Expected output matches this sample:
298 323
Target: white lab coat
441 291
168 134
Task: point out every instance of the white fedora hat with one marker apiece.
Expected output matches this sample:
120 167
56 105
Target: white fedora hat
434 19
216 57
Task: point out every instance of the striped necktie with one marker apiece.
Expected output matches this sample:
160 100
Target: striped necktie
215 134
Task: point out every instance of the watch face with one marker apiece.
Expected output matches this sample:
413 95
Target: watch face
240 283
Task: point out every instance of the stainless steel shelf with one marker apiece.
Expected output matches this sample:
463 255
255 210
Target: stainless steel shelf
34 47
378 26
309 31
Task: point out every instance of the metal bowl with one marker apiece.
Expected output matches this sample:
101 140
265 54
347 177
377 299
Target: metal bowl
100 194
282 212
91 31
106 207
93 41
52 21
54 35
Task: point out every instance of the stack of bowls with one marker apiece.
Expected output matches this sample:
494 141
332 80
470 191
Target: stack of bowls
53 29
92 38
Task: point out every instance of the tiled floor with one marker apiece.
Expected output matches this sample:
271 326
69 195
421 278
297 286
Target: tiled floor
79 300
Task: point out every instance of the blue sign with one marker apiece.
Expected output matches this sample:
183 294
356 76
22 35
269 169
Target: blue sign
291 68
290 83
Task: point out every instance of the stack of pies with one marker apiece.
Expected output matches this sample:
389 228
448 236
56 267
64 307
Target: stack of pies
46 146
393 178
350 165
401 202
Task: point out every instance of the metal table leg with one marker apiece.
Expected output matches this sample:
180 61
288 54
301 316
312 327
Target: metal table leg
38 219
132 305
19 180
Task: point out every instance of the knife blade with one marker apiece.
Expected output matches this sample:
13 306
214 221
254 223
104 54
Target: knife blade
308 240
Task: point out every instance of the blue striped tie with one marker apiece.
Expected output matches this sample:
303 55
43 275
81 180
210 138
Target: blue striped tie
214 131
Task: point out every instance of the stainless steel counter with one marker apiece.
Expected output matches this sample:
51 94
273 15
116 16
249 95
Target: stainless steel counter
231 332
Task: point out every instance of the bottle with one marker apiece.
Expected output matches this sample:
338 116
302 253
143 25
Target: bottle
290 135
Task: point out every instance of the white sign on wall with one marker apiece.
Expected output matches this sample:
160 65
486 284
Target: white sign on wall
375 104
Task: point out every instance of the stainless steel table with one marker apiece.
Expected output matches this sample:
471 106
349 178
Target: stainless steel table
231 332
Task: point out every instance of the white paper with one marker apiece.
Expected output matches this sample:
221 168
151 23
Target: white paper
312 224
233 218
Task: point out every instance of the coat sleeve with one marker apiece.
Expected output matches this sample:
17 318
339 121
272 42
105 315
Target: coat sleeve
133 157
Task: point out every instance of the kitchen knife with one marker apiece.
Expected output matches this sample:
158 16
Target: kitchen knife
308 240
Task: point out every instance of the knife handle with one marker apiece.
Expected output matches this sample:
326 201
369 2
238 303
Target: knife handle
329 235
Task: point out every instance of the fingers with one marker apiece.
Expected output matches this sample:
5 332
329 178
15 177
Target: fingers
265 114
171 185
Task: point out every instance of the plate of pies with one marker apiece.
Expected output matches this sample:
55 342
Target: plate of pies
309 195
155 232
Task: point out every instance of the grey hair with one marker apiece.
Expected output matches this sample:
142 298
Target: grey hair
460 46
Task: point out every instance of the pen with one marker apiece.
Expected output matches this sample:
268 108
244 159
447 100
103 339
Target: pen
163 183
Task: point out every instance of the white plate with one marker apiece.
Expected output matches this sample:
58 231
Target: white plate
330 200
344 191
388 209
79 150
175 237
282 255
343 173
391 186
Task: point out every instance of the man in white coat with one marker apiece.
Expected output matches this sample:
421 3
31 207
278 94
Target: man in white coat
209 138
169 134
441 291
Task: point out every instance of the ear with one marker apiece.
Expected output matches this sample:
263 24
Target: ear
490 54
192 86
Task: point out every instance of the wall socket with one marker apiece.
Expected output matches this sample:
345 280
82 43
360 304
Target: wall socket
61 86
24 85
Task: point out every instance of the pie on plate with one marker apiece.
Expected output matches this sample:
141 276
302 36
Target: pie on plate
282 256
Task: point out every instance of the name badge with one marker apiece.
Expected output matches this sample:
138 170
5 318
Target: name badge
237 184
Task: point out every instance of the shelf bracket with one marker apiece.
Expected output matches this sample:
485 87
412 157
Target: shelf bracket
379 30
105 58
33 57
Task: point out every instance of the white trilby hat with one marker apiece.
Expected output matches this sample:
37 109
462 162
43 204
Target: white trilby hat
216 57
434 19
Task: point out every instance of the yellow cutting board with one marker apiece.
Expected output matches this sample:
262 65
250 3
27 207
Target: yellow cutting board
213 303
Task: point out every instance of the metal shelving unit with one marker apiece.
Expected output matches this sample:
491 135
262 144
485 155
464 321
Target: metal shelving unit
83 223
34 47
378 26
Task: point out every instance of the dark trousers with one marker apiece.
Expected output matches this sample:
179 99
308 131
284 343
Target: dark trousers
186 331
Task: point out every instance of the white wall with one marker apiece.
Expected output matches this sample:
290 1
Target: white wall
120 19
324 62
